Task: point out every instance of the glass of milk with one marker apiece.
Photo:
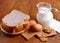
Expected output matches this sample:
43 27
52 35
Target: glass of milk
45 15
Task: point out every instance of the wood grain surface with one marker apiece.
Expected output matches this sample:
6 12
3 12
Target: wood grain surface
28 7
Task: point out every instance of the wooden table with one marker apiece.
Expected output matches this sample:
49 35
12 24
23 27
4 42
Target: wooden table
28 7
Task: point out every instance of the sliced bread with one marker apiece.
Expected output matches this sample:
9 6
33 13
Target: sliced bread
15 22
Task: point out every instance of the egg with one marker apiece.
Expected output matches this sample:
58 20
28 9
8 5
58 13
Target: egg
32 22
36 27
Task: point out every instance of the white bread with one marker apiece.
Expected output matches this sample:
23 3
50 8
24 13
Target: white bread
14 21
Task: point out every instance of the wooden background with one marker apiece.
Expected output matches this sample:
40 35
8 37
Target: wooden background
28 7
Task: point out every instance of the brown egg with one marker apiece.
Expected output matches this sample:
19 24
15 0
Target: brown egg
36 27
32 22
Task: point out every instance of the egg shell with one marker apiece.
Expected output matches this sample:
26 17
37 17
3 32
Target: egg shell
32 22
36 27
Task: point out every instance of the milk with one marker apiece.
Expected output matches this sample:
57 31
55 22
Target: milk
45 15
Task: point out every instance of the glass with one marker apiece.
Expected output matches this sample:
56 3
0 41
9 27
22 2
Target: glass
45 15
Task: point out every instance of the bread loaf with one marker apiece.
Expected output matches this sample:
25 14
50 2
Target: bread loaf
14 22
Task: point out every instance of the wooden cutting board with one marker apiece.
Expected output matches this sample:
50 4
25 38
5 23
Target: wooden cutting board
28 7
